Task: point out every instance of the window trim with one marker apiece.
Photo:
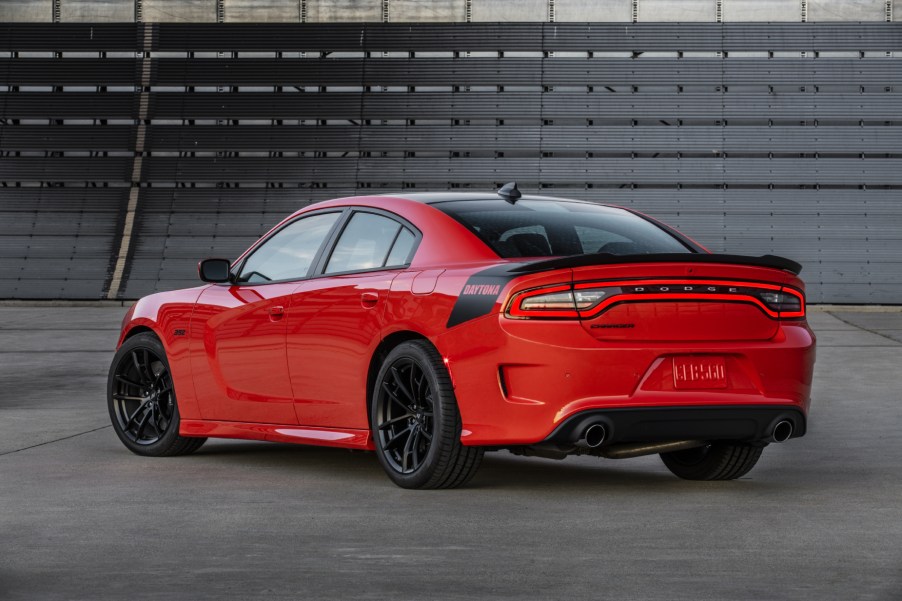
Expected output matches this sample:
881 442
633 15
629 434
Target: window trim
239 265
333 242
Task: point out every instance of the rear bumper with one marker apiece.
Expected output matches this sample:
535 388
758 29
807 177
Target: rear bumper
660 424
525 382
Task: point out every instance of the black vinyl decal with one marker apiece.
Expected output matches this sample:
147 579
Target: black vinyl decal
480 294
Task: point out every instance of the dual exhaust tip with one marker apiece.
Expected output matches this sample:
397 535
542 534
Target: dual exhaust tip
595 434
782 431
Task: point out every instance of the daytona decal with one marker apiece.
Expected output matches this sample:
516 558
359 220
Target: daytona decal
488 289
479 294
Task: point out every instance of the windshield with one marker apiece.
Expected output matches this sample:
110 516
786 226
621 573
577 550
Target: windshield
557 228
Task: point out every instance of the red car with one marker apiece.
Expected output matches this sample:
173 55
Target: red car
430 328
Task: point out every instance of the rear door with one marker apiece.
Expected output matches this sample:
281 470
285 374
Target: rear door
336 319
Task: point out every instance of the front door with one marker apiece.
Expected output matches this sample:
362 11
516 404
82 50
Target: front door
240 368
238 330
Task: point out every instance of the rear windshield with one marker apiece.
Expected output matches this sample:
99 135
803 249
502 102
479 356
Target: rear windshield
550 228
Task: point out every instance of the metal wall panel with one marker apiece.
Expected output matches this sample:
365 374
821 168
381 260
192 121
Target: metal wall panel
129 151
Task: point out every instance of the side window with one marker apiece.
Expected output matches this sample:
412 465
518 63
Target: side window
370 241
400 251
288 254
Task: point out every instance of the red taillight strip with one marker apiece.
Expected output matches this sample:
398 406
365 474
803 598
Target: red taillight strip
515 306
676 296
801 297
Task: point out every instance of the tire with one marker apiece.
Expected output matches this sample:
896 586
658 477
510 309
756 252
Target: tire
416 423
715 461
142 402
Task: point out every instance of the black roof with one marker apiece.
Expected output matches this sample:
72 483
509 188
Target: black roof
434 197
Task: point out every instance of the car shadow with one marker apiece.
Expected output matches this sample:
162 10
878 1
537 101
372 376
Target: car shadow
499 470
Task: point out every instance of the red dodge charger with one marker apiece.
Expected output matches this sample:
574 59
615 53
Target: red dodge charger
430 328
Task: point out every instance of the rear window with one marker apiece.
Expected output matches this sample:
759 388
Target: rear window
550 228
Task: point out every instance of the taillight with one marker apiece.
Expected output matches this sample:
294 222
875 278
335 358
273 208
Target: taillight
586 300
789 303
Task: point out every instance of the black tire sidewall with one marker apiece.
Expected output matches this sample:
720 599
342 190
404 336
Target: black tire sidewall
150 342
444 411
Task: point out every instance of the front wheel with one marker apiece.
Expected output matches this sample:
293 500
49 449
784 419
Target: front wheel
141 400
416 423
714 461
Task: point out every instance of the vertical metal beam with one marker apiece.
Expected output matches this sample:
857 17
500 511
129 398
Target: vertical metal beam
57 10
139 11
128 223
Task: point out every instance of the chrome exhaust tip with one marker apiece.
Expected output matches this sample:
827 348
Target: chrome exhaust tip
593 436
782 431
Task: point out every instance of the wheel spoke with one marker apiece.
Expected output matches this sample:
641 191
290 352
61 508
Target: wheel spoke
421 384
157 418
147 369
395 420
415 447
395 397
127 381
401 386
137 363
125 397
413 384
407 448
131 420
142 424
397 436
426 434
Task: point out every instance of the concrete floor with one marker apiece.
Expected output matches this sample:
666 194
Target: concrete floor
82 518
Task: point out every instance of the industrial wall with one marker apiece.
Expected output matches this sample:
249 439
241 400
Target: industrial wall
444 11
129 151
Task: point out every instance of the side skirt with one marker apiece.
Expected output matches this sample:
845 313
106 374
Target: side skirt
326 437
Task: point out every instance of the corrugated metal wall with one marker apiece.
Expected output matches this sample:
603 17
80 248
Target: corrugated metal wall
129 151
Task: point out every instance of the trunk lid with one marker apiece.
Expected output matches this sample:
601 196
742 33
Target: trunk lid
681 302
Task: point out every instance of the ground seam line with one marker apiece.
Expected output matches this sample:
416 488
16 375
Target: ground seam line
854 325
41 444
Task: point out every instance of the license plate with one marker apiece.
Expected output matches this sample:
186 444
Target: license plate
699 372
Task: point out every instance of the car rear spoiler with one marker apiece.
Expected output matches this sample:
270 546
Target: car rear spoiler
771 261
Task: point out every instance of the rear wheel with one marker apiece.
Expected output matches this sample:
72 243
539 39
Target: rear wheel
415 421
714 461
141 399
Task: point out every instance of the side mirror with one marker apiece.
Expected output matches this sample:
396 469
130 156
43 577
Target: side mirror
214 270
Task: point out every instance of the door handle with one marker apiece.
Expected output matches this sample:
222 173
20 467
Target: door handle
276 313
369 299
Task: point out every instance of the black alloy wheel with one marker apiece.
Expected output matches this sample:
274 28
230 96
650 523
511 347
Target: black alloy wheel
142 402
416 423
406 418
